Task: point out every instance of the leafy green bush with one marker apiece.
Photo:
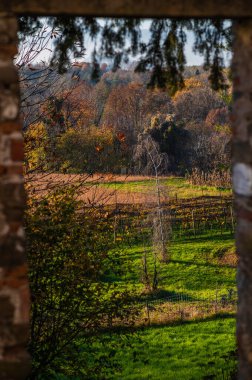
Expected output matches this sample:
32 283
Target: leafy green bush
69 252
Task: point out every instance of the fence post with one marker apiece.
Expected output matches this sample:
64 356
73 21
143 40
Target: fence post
232 219
216 299
148 312
193 223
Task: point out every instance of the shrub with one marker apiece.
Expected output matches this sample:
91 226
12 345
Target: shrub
69 254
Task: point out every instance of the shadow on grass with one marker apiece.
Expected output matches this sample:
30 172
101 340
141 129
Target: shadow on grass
166 295
206 264
177 323
203 238
216 317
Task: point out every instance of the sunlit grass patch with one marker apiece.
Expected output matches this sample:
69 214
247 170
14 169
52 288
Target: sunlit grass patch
189 351
175 187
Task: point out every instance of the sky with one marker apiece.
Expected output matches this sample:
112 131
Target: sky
191 58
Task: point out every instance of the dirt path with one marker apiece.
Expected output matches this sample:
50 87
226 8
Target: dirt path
93 189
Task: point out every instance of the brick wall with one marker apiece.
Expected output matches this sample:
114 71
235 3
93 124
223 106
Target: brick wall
14 294
242 183
14 290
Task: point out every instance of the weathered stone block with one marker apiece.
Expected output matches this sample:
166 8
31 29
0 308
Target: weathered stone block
242 151
242 180
7 309
132 8
7 51
17 149
15 369
11 169
8 30
10 126
4 149
8 72
9 104
12 251
14 290
12 195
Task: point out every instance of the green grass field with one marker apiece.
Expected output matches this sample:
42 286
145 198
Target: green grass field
194 266
200 268
195 349
189 351
179 187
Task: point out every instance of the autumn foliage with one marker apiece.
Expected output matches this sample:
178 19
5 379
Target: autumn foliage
96 127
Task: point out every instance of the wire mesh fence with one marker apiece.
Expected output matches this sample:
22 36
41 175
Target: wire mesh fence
181 307
187 217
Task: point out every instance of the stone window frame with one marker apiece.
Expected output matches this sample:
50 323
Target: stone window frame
14 289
